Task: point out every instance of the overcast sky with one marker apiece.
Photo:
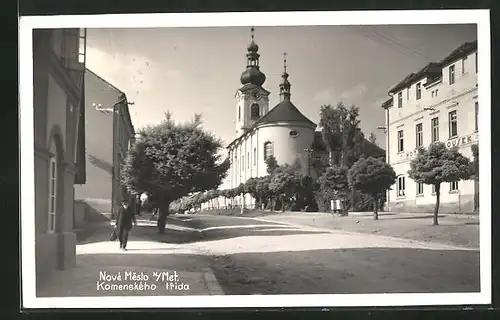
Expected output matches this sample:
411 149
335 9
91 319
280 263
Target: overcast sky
197 70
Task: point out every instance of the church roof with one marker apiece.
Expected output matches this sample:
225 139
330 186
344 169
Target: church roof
285 111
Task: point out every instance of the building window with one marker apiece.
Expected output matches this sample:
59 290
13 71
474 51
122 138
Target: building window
408 93
239 113
463 64
248 160
476 106
242 163
52 195
400 141
452 116
454 186
433 190
254 111
82 45
400 100
420 188
254 156
401 186
268 150
419 135
451 74
418 91
435 129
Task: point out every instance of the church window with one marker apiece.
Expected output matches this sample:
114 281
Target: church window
294 133
254 156
239 113
268 150
254 111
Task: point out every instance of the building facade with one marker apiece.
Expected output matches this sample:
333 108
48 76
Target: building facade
438 103
59 146
283 132
109 134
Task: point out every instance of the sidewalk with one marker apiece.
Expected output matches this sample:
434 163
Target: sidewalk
148 268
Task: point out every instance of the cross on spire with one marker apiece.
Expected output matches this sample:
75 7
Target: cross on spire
284 60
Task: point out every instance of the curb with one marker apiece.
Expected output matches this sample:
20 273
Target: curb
211 282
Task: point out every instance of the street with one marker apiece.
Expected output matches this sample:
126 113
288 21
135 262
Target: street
241 255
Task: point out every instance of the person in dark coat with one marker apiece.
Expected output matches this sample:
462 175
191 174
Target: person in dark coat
126 215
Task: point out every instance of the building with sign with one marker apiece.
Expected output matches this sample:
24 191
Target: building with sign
437 103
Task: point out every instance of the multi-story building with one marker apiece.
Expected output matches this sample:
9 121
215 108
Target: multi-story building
59 147
438 103
109 134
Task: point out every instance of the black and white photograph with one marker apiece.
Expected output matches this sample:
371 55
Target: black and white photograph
279 159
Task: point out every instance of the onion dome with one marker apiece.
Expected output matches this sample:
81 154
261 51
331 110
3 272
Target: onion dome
252 74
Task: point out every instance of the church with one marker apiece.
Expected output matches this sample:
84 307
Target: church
283 131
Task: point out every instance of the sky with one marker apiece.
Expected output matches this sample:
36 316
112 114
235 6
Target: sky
197 70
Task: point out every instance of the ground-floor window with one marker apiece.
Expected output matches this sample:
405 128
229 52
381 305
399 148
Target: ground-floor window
401 186
420 188
52 195
454 186
433 189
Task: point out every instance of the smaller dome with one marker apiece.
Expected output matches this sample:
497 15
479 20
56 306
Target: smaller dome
253 47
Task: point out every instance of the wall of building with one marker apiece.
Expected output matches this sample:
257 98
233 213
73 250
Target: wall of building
56 101
97 191
441 98
244 101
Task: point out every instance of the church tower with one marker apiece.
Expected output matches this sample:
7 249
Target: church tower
252 100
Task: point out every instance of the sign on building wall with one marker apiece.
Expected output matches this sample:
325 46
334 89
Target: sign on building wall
456 142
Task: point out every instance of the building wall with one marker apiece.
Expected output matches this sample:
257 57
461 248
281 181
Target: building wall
107 138
442 98
244 102
57 94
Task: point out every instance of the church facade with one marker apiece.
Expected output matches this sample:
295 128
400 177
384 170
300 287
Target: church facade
283 131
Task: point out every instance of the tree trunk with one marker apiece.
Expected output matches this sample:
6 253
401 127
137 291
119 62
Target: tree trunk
353 199
436 208
375 208
162 217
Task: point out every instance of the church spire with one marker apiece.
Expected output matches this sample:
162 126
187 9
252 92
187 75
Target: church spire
284 85
252 74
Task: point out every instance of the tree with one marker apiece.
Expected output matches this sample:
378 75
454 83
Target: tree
271 164
373 177
283 185
439 164
334 183
170 160
475 162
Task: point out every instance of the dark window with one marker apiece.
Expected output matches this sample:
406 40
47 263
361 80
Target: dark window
463 64
433 189
418 91
419 135
254 111
420 188
451 74
453 123
293 133
268 150
408 93
454 186
248 160
400 100
239 113
401 186
254 156
476 61
400 141
435 129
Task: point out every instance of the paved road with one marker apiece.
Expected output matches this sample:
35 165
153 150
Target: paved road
258 256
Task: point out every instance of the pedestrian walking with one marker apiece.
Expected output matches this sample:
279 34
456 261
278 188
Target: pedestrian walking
126 215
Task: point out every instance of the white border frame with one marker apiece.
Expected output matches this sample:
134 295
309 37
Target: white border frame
400 17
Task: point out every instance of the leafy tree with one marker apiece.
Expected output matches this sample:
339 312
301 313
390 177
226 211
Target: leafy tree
171 160
263 191
283 185
341 134
333 184
373 177
439 164
271 164
475 162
